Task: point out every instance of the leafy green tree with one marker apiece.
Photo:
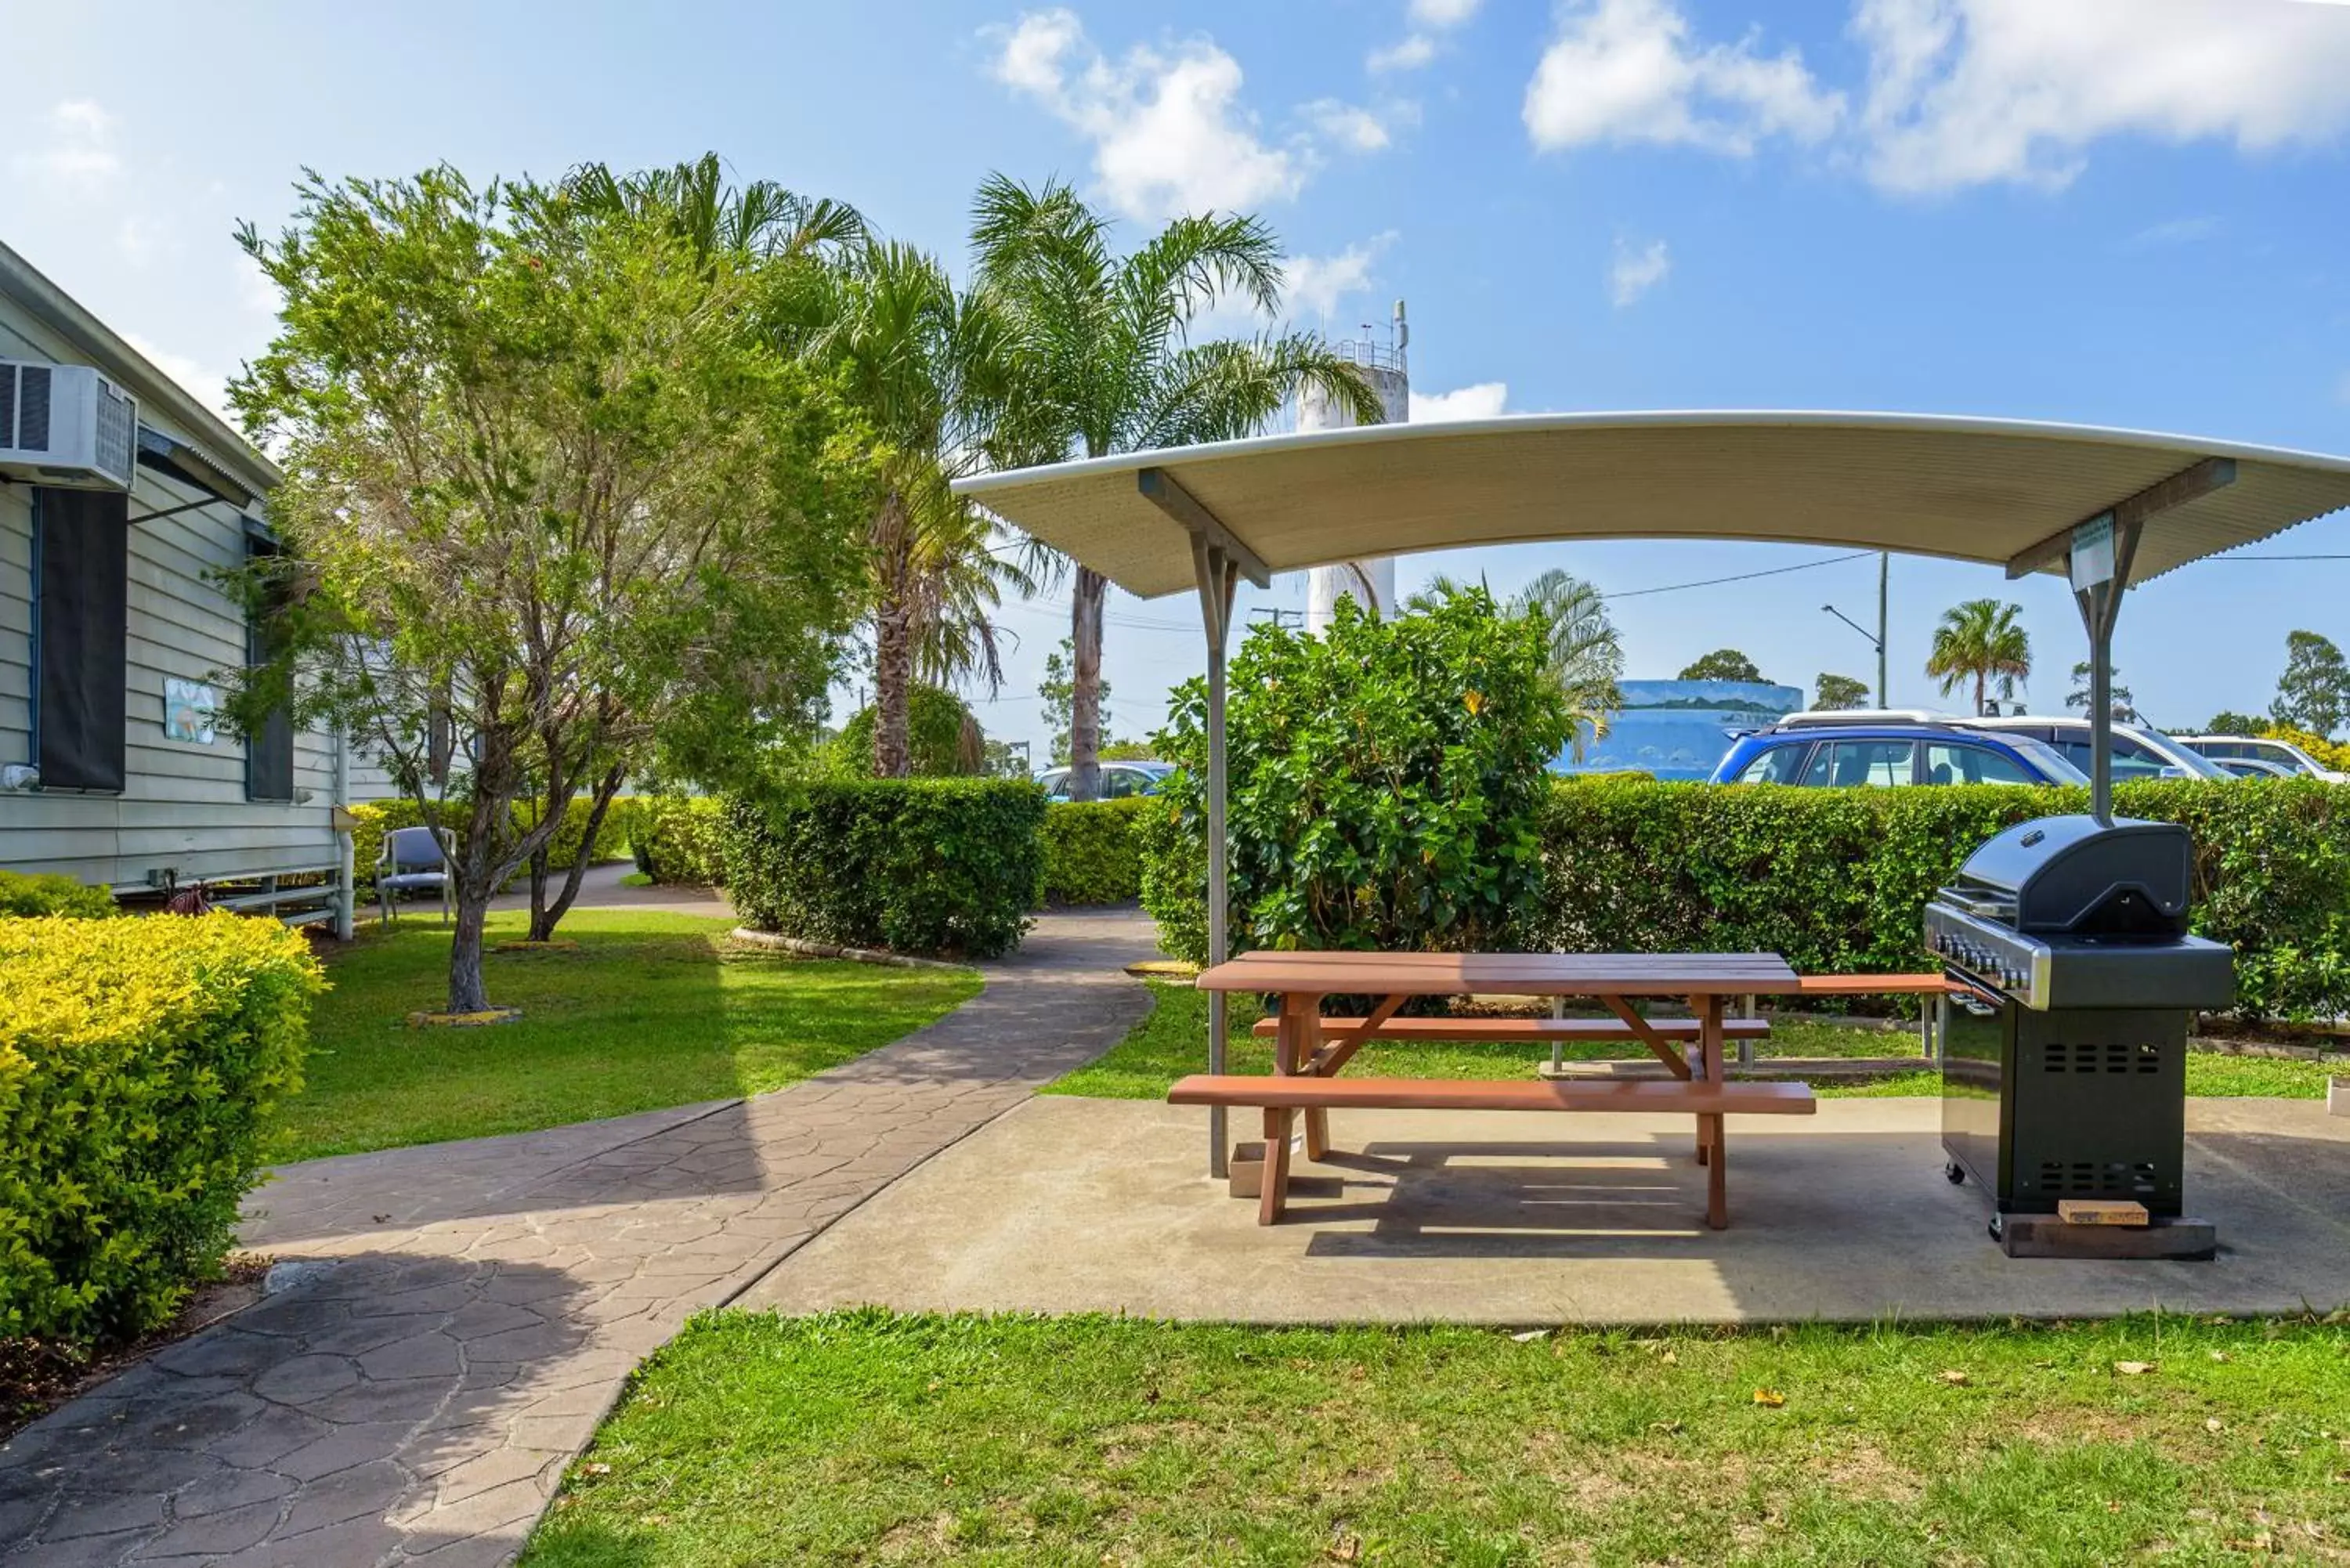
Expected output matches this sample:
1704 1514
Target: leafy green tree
1386 779
1981 641
1836 691
1059 689
541 482
2228 722
1109 366
759 222
930 367
943 738
1722 664
2313 693
1581 648
2125 709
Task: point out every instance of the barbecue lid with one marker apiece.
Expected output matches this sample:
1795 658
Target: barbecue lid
2075 874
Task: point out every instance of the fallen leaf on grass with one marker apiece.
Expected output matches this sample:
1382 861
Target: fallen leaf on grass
1666 1428
2214 1423
1531 1335
595 1468
2133 1368
1670 1359
1956 1378
2220 1355
1769 1398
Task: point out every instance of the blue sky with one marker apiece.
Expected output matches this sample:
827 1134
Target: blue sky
2115 211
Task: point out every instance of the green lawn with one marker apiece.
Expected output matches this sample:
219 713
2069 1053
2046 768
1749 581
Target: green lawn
867 1439
651 1010
1172 1041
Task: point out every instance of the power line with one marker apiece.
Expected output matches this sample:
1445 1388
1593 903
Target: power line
1740 578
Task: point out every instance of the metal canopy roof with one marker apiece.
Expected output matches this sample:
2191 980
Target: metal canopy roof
2000 491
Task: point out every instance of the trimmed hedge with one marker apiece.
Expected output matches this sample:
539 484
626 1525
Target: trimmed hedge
680 838
141 1063
1092 855
27 898
379 817
916 866
1837 880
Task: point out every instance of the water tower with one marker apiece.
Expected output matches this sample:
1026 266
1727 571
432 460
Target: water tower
1385 367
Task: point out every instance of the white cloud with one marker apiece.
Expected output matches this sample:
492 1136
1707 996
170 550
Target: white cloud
207 386
142 240
1484 400
1416 48
1635 271
1349 125
78 159
1407 53
1965 92
1169 132
1443 13
254 292
1313 286
2174 231
1628 70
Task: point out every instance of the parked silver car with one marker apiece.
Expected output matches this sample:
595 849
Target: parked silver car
1118 779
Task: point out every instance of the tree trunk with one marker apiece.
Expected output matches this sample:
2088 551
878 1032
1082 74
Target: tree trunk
543 917
1981 687
893 668
1085 694
538 891
467 993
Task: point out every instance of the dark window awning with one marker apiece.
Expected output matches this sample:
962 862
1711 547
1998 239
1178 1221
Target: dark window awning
189 464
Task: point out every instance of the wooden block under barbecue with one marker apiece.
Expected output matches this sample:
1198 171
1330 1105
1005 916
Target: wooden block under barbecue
2100 1211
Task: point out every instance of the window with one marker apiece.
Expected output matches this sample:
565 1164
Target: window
1973 764
1778 765
269 747
2132 760
1117 784
81 543
1877 763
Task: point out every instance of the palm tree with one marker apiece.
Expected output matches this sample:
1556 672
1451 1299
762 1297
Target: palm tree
1981 640
931 369
1585 654
760 221
1108 366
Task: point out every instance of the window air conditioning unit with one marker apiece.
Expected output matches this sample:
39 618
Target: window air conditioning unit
65 425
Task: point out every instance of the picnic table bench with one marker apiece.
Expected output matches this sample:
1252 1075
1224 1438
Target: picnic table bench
1309 1051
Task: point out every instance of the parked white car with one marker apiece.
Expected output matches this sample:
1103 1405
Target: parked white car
2263 748
2138 752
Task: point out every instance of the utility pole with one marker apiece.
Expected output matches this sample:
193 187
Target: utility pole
1884 572
1279 616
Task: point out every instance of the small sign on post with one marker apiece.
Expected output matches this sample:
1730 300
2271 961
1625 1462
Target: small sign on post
2092 555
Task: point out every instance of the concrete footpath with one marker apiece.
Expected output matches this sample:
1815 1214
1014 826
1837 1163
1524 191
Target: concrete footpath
465 1314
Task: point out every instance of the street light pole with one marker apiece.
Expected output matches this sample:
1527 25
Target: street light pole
1884 572
1878 639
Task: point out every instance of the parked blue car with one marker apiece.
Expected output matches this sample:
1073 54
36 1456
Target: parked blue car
1831 755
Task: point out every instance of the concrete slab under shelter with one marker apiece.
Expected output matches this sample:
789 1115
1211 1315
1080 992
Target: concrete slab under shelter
1073 1205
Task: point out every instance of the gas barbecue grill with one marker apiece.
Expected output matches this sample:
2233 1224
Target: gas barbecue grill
2065 1039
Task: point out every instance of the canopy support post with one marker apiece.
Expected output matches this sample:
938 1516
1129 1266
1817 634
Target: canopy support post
1218 574
1218 560
2101 604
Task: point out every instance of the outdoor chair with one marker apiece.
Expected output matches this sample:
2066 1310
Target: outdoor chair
413 860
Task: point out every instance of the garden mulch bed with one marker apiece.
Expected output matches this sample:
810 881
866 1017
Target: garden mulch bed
37 1375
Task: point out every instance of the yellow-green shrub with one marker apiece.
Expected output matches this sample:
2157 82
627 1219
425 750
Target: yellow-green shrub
680 838
25 896
141 1062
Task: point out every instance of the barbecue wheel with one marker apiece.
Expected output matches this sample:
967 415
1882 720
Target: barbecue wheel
1953 1172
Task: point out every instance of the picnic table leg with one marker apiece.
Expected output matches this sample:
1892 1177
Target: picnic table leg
1713 1148
1274 1191
1306 1039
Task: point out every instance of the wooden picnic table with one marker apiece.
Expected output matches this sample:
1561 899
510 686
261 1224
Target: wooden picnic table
1303 1047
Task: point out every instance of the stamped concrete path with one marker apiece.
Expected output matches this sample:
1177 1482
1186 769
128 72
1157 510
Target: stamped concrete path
466 1312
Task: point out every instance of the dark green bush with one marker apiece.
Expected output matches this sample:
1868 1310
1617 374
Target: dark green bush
28 896
1092 855
942 739
680 838
140 1062
1386 780
1837 880
916 866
